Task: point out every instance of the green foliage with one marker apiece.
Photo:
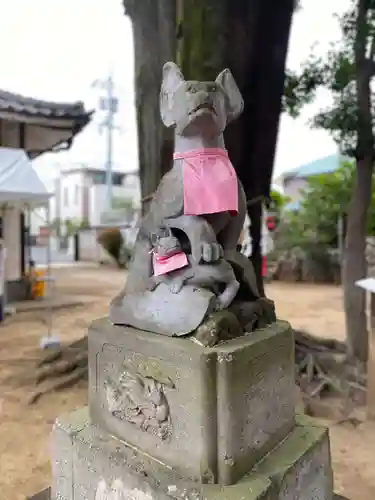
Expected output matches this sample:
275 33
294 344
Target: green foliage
122 209
71 227
84 224
125 204
300 89
337 73
325 200
278 200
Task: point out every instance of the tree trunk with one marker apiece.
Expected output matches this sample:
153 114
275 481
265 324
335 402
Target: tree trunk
250 37
263 83
201 48
154 30
355 266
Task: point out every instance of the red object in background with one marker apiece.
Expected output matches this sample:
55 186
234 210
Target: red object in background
44 231
271 223
264 267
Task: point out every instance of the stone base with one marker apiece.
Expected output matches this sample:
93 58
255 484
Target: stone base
211 413
46 495
42 495
301 463
90 465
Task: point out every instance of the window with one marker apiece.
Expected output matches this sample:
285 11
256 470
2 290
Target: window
117 179
66 196
98 178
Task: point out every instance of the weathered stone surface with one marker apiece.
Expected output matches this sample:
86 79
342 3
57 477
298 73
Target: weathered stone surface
218 327
162 311
256 488
42 495
177 372
101 467
219 493
98 464
255 395
211 413
300 467
62 466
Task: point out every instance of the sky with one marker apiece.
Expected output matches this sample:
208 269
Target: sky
55 51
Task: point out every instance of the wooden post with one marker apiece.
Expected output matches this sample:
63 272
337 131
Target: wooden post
368 284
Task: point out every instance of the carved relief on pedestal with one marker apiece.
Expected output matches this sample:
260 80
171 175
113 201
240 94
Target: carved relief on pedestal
140 400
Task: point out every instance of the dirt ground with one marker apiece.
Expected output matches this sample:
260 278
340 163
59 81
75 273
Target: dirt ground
25 430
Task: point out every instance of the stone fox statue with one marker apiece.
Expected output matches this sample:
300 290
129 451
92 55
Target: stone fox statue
166 248
201 195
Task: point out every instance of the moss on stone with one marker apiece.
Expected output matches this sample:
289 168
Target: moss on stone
218 327
202 36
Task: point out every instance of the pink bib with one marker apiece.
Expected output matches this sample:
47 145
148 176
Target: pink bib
164 265
210 182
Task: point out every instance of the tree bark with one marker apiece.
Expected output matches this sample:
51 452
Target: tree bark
355 266
266 44
251 39
154 31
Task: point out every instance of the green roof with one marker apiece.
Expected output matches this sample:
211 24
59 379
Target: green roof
324 165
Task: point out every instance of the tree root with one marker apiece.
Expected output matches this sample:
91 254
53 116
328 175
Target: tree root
64 382
61 367
323 369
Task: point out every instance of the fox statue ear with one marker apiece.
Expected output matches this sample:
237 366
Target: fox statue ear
234 98
172 78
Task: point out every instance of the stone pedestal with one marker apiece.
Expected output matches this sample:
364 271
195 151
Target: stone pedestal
169 418
226 407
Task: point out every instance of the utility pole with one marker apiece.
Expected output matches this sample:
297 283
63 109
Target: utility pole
108 103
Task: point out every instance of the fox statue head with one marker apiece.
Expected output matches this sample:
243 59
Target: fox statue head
198 108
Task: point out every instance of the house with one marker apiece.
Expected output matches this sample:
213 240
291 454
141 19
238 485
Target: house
81 193
36 127
295 181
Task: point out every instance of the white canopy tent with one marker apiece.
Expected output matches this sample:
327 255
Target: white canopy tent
20 185
22 189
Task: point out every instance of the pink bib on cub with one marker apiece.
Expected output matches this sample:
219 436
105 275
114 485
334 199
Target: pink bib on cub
164 265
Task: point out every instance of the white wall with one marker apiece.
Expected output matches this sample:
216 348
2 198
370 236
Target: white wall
133 189
98 199
293 188
71 192
38 219
53 209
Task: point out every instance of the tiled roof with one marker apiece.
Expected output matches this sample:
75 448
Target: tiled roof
15 103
